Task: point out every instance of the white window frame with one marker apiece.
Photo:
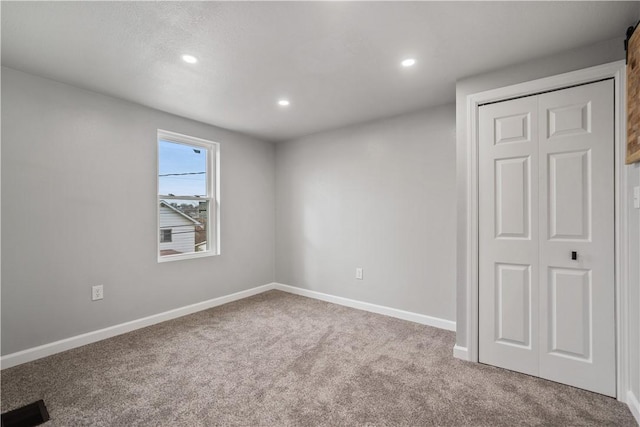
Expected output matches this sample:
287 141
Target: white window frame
213 193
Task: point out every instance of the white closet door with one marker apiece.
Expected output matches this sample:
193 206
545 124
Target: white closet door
508 263
546 191
577 318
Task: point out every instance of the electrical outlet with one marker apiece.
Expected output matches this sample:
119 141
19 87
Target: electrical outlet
97 293
359 273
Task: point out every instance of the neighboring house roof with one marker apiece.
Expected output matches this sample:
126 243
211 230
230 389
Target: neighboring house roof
179 212
201 243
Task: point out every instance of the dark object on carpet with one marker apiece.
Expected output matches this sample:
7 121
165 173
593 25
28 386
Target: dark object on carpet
30 415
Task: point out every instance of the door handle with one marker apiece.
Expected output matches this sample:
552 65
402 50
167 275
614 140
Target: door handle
574 255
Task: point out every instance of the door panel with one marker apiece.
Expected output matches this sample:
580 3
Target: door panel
570 331
513 305
569 120
508 262
570 195
512 197
515 128
546 192
577 327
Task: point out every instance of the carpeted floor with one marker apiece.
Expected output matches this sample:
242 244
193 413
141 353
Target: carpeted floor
278 359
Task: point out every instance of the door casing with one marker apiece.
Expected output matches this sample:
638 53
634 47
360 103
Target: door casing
615 70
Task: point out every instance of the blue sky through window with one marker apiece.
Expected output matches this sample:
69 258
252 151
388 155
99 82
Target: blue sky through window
182 169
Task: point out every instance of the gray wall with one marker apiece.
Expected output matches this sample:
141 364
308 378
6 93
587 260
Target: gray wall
79 209
380 196
601 53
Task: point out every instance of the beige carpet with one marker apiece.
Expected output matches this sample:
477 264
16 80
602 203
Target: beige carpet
277 360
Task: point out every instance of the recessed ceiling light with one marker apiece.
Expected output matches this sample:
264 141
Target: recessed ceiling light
189 59
408 62
283 102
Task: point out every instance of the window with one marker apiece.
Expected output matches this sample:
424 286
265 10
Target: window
188 207
165 235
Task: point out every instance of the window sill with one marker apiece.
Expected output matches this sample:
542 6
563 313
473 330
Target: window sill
192 255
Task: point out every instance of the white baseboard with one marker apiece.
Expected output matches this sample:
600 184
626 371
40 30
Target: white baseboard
49 349
34 353
634 405
460 352
379 309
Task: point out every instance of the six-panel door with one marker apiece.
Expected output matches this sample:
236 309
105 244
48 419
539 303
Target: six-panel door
546 262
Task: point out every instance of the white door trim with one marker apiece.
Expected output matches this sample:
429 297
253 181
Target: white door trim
615 70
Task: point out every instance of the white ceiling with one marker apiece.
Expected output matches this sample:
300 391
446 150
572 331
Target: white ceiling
338 62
